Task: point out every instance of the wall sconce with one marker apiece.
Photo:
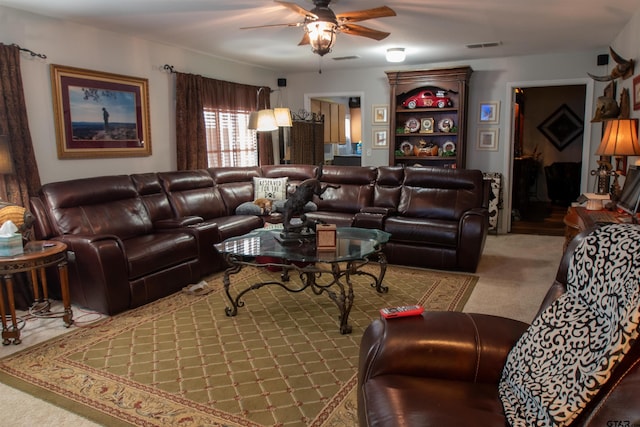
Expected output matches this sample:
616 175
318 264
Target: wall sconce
6 160
620 140
262 120
322 36
395 54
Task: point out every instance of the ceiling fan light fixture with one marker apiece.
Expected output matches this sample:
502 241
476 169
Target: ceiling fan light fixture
396 54
322 36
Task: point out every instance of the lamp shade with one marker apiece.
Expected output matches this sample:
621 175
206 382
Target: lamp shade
266 121
6 162
283 117
620 138
322 36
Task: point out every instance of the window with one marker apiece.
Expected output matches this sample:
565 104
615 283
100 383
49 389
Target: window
229 141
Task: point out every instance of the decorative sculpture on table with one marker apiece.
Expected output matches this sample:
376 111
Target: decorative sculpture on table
303 230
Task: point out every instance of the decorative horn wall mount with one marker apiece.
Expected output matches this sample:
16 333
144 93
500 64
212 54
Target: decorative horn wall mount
623 69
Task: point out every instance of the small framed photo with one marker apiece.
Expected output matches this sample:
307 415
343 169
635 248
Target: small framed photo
488 139
380 139
381 113
489 112
100 115
426 125
636 92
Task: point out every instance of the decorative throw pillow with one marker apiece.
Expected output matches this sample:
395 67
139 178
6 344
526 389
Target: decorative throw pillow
571 348
278 206
270 188
249 208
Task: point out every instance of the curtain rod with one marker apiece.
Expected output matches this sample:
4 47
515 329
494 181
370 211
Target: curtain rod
169 68
32 53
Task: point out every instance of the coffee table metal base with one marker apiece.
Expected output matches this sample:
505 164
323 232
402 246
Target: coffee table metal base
339 287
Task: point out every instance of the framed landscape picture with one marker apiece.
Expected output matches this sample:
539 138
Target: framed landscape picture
100 115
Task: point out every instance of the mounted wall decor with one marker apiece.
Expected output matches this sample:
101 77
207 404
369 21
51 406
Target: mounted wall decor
100 115
561 127
488 139
489 112
381 113
636 93
380 138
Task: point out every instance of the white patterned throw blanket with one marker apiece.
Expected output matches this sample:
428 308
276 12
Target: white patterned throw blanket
570 350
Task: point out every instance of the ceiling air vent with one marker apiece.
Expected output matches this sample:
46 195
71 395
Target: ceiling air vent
343 58
481 45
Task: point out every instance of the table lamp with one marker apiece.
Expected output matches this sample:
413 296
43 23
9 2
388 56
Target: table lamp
620 140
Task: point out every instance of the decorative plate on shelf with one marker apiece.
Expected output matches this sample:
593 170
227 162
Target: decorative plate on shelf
445 125
412 125
448 147
407 148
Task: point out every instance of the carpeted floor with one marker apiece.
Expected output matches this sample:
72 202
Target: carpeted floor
180 361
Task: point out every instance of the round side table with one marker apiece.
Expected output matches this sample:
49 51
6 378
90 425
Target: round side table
37 256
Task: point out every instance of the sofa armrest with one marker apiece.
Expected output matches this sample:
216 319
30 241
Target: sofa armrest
372 217
440 344
100 281
184 221
472 234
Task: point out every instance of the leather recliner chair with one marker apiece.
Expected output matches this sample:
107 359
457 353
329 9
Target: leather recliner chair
459 369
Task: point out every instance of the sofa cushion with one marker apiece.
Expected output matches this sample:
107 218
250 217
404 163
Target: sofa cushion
571 348
437 232
155 252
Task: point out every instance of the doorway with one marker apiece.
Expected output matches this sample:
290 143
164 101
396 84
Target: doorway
548 155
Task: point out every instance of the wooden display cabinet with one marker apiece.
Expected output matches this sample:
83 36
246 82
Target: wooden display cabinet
423 132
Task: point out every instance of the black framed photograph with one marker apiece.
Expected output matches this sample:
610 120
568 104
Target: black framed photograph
99 115
561 127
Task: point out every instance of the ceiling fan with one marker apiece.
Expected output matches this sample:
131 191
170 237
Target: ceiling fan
321 24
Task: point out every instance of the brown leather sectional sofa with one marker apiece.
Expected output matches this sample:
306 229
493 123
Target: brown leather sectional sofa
136 238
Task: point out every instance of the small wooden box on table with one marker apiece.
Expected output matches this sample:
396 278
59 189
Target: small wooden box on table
36 257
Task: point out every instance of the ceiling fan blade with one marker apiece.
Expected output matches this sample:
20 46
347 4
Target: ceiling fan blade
361 15
296 24
359 30
305 39
298 9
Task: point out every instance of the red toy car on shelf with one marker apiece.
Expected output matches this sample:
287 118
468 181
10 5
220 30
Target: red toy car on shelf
427 98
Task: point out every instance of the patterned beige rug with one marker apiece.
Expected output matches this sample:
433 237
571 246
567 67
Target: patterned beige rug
182 362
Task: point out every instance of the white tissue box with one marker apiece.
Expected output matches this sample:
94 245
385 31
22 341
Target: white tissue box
11 245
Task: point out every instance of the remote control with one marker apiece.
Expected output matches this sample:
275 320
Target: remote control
407 310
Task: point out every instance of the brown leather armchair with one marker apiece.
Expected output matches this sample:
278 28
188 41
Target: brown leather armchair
449 368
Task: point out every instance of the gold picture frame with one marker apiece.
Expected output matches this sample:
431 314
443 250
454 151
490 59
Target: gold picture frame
427 125
489 112
100 115
488 139
380 113
380 139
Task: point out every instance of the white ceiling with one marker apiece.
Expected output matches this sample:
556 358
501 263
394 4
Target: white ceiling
430 30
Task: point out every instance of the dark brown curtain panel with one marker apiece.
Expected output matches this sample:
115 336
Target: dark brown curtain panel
195 95
25 181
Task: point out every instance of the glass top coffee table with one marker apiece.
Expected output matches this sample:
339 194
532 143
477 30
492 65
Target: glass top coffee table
355 248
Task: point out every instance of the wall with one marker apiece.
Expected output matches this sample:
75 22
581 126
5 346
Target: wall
69 44
74 45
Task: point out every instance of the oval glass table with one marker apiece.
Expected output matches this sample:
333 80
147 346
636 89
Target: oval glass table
355 248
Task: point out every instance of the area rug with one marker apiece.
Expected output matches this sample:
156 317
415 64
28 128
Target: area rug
180 361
